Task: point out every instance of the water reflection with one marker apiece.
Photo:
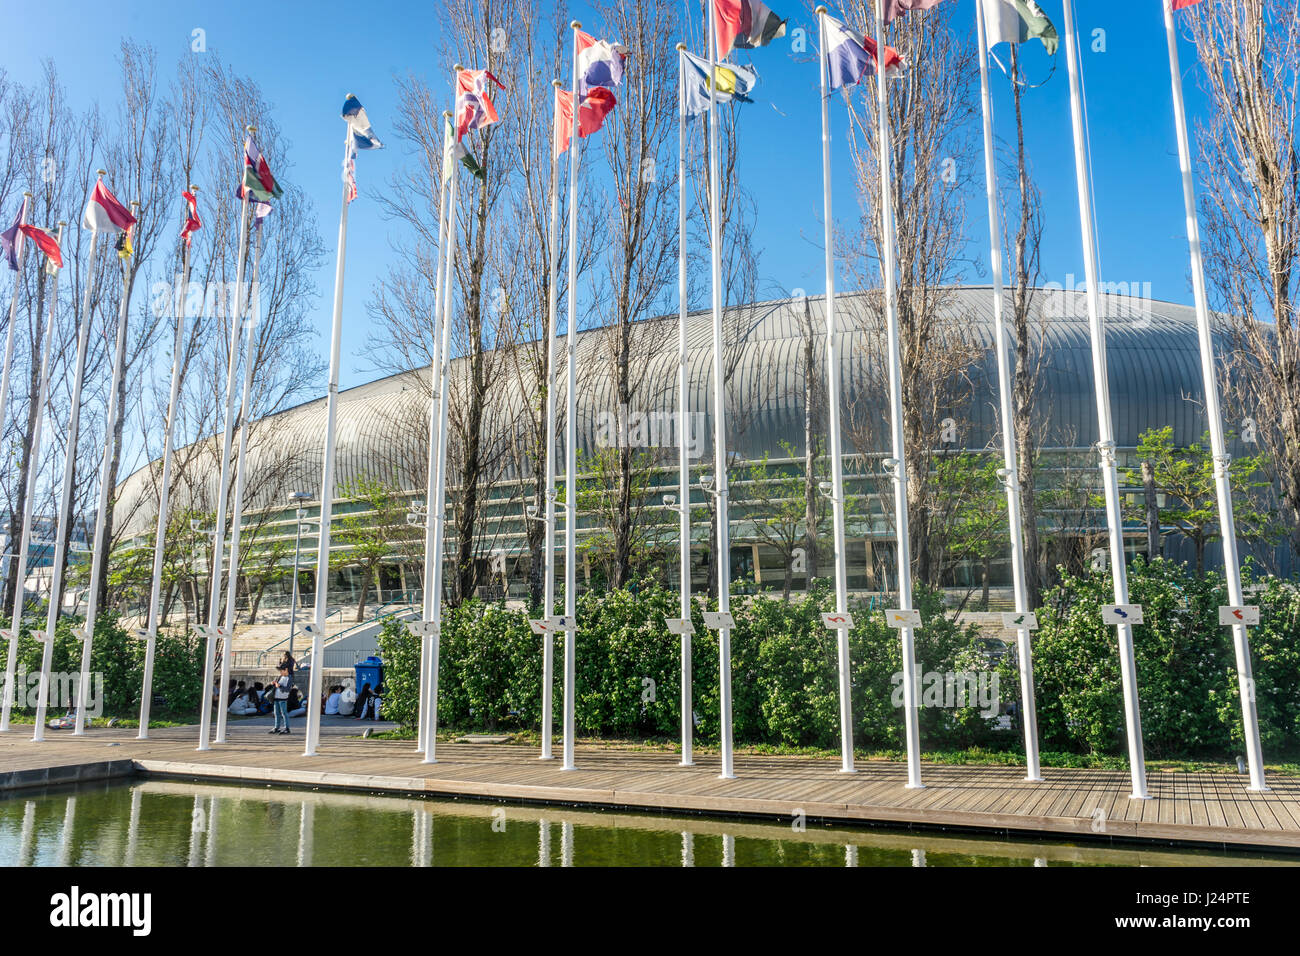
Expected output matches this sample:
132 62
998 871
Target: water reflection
176 823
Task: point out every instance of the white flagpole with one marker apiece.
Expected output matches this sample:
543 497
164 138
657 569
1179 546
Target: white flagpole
9 349
211 631
33 468
164 493
1010 475
833 407
241 475
65 499
571 427
99 556
548 553
684 428
431 555
719 414
1218 445
898 469
317 626
1105 426
438 505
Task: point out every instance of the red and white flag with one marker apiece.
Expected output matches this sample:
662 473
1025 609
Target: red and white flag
45 241
592 110
474 108
192 223
104 213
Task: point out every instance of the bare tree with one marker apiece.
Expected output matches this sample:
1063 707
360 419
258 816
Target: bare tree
1249 52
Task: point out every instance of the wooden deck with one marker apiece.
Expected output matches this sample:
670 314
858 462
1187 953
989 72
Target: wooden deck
1185 807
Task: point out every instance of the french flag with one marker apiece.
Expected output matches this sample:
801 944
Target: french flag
850 56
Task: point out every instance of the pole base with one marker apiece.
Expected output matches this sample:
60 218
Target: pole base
686 763
1260 789
569 767
1035 780
913 786
202 747
848 770
429 760
546 757
1139 796
726 776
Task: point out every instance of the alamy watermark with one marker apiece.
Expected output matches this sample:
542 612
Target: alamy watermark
210 300
625 428
952 690
63 691
1119 300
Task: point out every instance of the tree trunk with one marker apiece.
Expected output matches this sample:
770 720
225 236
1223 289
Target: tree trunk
810 422
25 459
1153 513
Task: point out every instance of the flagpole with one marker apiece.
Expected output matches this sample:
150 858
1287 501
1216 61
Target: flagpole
65 499
684 429
431 555
9 341
237 510
327 474
1010 474
719 415
548 551
33 468
1105 426
1218 444
164 494
99 555
571 425
833 407
211 631
898 469
438 506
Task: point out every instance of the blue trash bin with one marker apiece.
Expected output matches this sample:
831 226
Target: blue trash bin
370 671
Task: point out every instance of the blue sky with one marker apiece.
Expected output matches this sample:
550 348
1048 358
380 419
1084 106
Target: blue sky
307 56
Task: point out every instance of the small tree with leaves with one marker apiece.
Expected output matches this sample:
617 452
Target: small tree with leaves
1185 476
372 533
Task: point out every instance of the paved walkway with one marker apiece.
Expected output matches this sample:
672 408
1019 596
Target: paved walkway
1192 807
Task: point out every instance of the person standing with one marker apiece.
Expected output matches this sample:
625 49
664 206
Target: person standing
282 686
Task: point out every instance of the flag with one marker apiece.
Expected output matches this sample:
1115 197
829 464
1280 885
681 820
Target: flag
104 213
363 137
734 83
600 64
257 173
192 223
474 108
746 24
45 241
1015 21
894 7
592 110
350 172
850 56
259 208
123 246
1184 4
453 150
11 240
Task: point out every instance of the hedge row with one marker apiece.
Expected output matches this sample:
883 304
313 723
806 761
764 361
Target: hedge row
785 683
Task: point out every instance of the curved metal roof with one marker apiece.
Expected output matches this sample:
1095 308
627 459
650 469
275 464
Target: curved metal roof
1153 367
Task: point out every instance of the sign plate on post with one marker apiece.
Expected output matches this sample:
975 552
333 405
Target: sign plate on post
562 623
836 620
1238 615
899 619
717 620
1020 620
679 625
80 633
310 630
539 627
1121 613
423 628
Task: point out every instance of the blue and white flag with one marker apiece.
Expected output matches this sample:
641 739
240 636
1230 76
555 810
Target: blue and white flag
363 137
850 56
734 83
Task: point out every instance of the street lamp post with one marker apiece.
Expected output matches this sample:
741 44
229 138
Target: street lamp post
299 498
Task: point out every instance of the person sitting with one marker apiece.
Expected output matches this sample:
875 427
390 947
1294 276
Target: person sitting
347 702
243 706
297 708
363 701
265 698
332 701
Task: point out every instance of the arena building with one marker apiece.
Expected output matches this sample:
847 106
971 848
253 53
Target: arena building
1155 381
